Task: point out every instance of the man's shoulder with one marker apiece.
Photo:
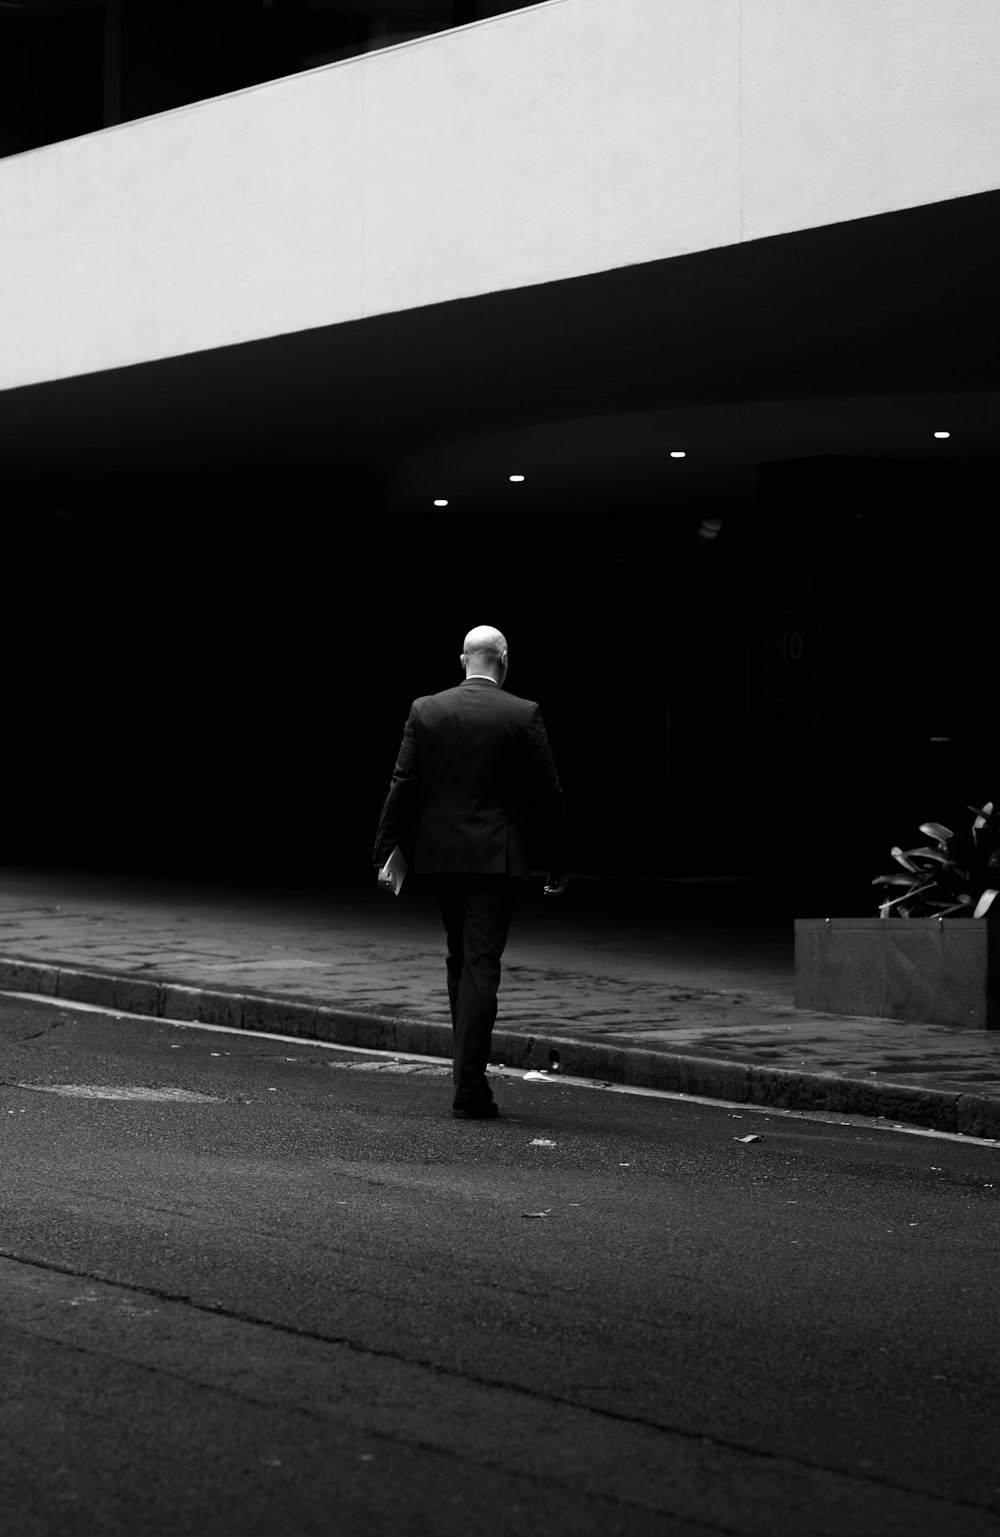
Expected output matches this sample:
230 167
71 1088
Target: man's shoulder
441 700
523 706
455 698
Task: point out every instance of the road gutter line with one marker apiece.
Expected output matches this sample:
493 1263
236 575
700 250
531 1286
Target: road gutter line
822 1117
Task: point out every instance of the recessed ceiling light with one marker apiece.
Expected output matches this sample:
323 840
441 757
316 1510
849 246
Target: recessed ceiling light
942 434
440 501
515 477
677 453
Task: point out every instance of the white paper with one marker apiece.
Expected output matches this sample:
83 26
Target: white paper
393 872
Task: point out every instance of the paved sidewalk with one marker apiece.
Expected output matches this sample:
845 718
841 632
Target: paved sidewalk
612 978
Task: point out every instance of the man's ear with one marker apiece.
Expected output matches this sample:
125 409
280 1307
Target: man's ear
461 661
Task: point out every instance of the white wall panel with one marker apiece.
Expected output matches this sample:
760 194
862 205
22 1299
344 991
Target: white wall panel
859 107
574 137
577 137
238 218
29 269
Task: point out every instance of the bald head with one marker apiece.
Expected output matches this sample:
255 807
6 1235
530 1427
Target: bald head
485 651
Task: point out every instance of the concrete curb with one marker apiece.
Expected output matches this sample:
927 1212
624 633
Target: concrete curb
971 1115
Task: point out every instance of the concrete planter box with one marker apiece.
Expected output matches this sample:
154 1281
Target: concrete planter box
939 971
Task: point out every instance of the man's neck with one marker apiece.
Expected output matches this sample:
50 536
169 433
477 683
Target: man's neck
488 677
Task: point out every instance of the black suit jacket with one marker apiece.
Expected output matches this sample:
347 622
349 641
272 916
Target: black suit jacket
473 775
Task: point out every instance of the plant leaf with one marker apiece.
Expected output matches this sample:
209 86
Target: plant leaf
985 902
935 854
936 830
908 896
887 907
895 880
901 859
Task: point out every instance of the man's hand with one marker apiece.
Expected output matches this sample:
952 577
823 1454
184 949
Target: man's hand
555 885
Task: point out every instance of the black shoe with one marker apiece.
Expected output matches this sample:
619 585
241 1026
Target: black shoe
484 1112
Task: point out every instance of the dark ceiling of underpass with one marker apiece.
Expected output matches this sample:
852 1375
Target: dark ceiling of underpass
886 309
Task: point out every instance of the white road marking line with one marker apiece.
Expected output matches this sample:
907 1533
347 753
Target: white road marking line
823 1117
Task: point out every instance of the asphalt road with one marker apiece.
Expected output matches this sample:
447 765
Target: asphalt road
257 1286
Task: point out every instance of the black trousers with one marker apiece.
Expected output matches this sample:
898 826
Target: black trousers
477 910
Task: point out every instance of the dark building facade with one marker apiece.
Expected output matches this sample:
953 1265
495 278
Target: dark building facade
716 452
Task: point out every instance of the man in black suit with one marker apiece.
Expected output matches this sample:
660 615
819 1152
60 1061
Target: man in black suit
473 768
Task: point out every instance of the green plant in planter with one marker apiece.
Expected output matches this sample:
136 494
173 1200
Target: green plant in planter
958 877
